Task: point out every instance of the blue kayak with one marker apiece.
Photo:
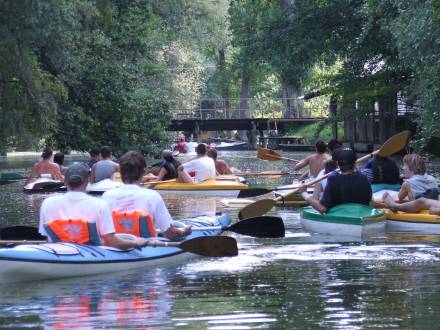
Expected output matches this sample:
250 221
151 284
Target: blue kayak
28 262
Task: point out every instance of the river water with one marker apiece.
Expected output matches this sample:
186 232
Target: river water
300 281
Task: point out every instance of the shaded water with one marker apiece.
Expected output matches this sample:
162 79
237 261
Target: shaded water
300 281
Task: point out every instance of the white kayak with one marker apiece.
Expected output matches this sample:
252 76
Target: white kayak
29 262
102 186
44 185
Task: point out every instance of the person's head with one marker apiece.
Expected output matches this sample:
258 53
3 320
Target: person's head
330 165
413 164
167 155
77 176
346 158
321 146
106 152
95 153
334 146
58 158
212 153
201 149
47 153
132 165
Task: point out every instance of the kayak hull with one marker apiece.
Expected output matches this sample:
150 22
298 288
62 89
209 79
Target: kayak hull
30 262
43 185
421 222
354 220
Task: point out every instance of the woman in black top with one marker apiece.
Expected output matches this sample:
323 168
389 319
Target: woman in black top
168 169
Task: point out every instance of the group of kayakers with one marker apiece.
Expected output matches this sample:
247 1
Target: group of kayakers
352 185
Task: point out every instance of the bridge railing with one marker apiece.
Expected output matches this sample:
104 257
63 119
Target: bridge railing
212 108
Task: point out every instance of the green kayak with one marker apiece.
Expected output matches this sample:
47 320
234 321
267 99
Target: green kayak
345 219
9 177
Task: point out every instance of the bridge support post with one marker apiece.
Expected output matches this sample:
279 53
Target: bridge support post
252 136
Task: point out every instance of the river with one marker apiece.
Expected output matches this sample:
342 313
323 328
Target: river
300 281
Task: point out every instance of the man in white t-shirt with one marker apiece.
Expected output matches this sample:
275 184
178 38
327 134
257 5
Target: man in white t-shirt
76 205
203 167
132 197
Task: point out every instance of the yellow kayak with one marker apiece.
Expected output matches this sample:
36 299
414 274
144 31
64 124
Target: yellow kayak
420 222
208 187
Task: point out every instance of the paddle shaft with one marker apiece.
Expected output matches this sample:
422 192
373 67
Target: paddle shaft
148 243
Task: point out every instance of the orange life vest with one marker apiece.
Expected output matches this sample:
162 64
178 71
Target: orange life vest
137 223
73 230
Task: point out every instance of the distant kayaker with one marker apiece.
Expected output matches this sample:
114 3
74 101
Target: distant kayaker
203 167
95 156
221 166
417 183
315 161
333 147
181 145
45 168
349 186
105 168
76 215
168 168
131 197
329 166
382 170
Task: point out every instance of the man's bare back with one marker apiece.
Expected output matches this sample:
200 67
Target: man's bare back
45 166
316 163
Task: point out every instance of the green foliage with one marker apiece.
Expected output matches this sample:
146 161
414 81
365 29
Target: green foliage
316 131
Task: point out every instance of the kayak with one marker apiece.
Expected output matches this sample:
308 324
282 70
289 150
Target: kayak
213 187
230 146
29 262
420 222
42 185
375 187
102 186
345 219
296 198
9 177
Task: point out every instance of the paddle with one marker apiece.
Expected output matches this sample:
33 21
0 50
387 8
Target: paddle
272 155
433 146
245 193
262 227
265 173
394 144
208 246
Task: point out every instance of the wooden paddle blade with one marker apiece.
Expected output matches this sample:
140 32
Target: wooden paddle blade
268 154
256 209
20 233
394 144
433 146
244 193
211 246
263 227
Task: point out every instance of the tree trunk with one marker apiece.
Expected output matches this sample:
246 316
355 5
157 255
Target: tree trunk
387 116
292 108
223 85
333 105
244 100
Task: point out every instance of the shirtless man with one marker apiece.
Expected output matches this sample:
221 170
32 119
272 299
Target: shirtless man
433 205
316 162
45 167
221 166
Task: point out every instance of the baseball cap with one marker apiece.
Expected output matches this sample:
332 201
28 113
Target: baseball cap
345 156
77 173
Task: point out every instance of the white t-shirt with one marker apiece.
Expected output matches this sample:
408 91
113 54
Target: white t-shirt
204 167
190 147
77 205
131 197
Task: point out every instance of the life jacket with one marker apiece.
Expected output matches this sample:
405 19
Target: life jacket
137 223
73 230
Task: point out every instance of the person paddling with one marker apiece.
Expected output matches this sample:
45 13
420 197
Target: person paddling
315 161
105 168
45 168
383 171
168 168
221 166
78 217
349 186
203 167
131 201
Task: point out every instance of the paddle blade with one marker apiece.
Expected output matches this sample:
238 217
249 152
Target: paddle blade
268 154
263 227
433 146
394 144
211 246
21 233
244 193
256 209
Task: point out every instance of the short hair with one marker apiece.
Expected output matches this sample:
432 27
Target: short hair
212 153
330 165
94 152
106 151
415 163
47 153
201 149
334 144
321 146
58 158
132 165
167 155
